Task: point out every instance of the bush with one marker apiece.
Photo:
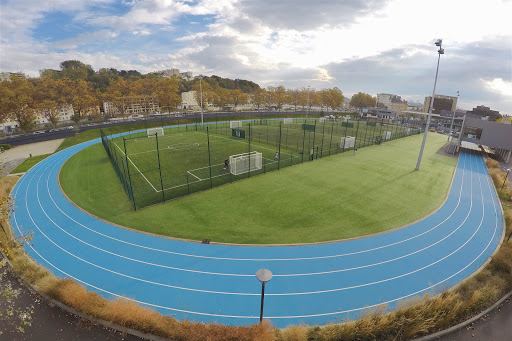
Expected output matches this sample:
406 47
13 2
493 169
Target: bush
4 146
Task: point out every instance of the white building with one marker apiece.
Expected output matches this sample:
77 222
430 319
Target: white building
189 100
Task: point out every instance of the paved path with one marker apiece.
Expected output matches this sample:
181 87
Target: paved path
11 158
315 284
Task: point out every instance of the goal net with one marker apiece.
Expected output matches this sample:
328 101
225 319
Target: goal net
152 131
323 119
235 124
242 163
288 121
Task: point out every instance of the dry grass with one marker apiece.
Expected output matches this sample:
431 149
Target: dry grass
411 319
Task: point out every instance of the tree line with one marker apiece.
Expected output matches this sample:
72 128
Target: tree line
77 84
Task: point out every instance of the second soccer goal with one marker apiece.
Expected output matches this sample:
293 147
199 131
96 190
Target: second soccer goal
235 124
242 163
152 131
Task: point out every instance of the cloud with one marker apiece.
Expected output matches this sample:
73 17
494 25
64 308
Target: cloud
303 15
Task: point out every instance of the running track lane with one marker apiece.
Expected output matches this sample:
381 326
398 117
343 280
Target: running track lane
313 284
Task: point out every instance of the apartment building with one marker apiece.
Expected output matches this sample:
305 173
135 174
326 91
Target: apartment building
441 102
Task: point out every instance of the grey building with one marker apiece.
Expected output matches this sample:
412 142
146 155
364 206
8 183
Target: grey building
497 136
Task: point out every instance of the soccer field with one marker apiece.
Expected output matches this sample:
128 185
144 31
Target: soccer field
336 197
163 164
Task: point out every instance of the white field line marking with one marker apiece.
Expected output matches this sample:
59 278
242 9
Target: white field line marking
198 178
276 317
254 259
233 140
137 169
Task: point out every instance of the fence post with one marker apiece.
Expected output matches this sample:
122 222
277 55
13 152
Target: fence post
303 139
330 142
209 159
129 176
322 147
279 155
159 167
356 140
249 173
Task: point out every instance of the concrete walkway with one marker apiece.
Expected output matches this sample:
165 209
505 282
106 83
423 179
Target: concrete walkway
11 158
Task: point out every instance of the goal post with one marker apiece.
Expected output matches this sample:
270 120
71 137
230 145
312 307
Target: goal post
288 121
235 124
152 131
243 163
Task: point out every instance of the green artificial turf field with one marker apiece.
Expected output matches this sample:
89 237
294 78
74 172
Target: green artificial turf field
187 159
342 196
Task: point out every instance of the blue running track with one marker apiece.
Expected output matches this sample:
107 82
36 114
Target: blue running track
312 284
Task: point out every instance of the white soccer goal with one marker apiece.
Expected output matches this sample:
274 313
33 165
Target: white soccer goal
347 142
288 121
235 124
152 131
387 135
323 119
241 163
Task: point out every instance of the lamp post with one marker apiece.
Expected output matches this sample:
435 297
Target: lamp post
201 90
263 275
505 180
453 118
439 43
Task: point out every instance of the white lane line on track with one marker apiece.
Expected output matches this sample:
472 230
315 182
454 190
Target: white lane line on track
253 259
298 316
250 275
287 294
115 272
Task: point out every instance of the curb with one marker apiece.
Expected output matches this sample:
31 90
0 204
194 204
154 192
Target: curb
90 318
465 323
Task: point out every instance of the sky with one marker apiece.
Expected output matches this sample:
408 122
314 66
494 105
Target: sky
372 46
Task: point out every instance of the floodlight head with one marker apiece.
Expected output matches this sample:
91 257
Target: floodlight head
441 51
263 275
439 42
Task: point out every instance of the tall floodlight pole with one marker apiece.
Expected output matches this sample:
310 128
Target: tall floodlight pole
453 118
201 90
439 43
263 275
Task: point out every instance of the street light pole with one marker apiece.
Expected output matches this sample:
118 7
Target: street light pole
201 90
263 275
453 118
439 43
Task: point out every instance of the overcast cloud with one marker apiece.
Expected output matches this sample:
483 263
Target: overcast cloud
371 46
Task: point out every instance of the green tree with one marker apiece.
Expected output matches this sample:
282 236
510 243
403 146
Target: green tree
207 92
18 102
221 98
167 93
260 98
278 96
362 100
238 97
333 98
75 70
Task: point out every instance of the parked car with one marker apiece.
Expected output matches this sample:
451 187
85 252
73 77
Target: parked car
38 132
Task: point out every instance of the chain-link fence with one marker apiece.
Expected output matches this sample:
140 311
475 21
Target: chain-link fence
156 166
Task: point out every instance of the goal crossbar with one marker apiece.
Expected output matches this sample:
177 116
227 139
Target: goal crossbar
152 131
235 124
243 163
